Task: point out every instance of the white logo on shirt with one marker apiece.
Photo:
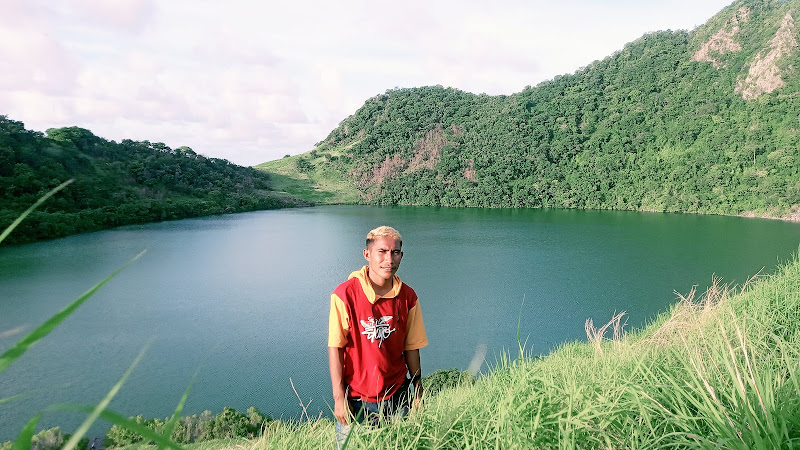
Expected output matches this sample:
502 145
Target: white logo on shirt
377 331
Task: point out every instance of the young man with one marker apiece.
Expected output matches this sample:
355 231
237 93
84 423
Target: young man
374 336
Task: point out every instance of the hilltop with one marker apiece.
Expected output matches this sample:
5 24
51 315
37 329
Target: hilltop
704 121
115 183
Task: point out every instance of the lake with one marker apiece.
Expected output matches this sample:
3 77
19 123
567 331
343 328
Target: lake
242 300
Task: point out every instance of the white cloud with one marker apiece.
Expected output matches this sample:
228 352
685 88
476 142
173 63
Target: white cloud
32 60
49 110
128 15
252 81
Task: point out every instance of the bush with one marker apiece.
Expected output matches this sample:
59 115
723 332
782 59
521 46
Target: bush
230 424
82 443
119 437
190 429
257 420
51 439
233 424
304 165
193 428
442 379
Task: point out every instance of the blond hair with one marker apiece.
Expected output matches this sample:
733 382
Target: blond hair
384 231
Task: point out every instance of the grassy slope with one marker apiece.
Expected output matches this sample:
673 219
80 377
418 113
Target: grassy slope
320 185
721 370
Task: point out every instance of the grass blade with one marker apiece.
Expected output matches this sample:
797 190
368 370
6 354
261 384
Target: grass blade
23 345
122 421
8 399
25 437
177 415
93 416
22 216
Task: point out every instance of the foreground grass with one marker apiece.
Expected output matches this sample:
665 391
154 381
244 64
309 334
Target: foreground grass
719 371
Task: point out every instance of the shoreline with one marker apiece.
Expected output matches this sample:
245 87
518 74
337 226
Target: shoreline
793 217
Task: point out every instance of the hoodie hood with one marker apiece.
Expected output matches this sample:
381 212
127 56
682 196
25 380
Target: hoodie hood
366 285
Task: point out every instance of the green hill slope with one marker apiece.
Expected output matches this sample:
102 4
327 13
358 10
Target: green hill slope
703 121
311 178
115 183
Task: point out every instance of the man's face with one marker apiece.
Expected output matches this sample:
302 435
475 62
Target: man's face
384 255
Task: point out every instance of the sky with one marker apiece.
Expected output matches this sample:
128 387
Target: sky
251 81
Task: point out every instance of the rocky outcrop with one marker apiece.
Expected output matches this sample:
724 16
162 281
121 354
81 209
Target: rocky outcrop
425 156
724 40
764 74
763 70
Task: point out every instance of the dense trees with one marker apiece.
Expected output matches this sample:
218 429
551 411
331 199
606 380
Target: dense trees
115 183
647 128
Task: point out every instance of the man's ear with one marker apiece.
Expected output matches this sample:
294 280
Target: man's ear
366 254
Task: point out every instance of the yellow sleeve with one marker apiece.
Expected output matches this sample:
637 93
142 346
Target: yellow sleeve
337 323
415 337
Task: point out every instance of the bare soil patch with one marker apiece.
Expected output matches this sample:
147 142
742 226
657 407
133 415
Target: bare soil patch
764 75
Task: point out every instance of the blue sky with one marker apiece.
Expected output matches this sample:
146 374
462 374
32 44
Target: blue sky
251 81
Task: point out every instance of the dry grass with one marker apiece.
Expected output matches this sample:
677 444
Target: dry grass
597 335
691 313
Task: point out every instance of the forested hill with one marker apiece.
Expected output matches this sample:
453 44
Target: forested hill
700 121
114 183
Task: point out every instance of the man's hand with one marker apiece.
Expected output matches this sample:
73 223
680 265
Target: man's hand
416 403
415 369
341 409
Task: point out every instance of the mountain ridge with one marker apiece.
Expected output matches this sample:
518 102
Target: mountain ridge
659 125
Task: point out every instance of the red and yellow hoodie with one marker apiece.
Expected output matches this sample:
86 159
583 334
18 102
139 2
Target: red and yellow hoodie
374 331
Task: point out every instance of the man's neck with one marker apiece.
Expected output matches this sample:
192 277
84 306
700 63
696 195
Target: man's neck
381 286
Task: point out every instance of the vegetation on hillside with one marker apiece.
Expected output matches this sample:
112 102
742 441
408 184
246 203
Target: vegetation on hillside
659 125
309 177
115 183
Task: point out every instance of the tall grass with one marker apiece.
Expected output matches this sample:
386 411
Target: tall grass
719 371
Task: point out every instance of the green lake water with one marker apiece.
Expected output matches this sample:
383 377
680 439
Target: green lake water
242 300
